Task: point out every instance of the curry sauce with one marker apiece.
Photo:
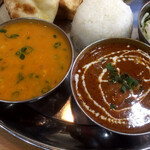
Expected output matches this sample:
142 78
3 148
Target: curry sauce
111 82
34 58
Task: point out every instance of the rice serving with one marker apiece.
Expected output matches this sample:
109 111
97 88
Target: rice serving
99 19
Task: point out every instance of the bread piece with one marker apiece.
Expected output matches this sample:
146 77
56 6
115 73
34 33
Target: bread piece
67 8
44 9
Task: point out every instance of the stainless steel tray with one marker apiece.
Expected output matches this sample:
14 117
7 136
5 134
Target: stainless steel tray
58 123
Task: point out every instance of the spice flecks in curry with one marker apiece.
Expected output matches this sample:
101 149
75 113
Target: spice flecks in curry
27 54
121 106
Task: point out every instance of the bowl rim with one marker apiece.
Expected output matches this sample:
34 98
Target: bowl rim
86 49
140 17
49 24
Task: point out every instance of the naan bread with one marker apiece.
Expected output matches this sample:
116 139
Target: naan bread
67 8
44 9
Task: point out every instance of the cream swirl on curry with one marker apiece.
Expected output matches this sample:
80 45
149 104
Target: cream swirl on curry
112 84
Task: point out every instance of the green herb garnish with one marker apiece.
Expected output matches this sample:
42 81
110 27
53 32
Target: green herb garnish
57 44
12 36
129 80
4 31
123 89
20 77
126 81
33 75
24 51
112 106
113 73
22 56
54 36
110 67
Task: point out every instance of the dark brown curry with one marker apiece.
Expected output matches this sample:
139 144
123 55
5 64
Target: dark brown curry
112 85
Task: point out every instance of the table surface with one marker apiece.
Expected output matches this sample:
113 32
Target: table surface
9 142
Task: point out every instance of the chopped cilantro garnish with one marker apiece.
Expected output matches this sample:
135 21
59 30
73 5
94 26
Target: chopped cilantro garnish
4 31
12 36
20 77
54 36
22 56
126 81
123 89
110 67
57 44
24 51
112 106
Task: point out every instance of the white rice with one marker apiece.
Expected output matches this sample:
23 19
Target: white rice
99 19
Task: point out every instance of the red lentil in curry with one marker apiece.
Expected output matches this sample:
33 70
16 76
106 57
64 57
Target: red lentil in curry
111 82
34 59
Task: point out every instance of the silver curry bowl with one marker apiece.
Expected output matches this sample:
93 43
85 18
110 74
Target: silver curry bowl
134 138
52 93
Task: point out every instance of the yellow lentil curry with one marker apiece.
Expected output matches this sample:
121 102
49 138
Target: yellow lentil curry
34 58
